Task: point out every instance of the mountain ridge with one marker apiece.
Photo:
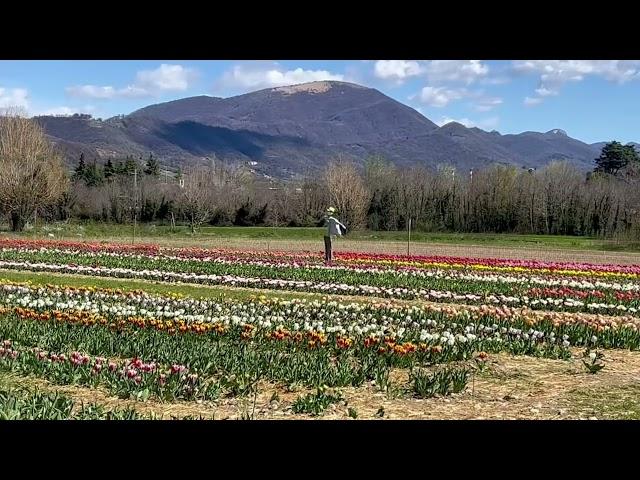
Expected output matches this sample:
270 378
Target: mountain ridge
299 128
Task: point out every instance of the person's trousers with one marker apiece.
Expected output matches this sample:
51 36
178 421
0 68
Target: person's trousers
328 254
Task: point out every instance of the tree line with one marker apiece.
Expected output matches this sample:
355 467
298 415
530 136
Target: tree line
556 199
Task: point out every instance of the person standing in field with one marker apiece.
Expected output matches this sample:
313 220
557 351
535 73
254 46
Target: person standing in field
334 228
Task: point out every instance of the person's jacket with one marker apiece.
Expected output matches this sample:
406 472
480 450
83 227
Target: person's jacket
333 226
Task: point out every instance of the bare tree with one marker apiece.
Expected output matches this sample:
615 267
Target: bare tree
561 183
198 194
529 183
382 181
311 201
32 174
347 192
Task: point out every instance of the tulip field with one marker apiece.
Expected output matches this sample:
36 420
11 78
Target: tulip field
115 331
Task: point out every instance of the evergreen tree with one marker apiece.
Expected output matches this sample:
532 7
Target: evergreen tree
616 156
93 175
130 166
118 169
80 168
152 166
109 170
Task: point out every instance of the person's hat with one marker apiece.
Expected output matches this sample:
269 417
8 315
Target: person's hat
331 210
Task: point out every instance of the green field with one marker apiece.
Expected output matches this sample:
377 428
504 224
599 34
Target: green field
159 288
152 233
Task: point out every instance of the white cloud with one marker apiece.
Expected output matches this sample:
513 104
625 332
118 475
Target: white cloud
18 98
148 83
14 97
554 74
487 103
487 123
543 91
442 75
437 72
165 77
94 91
397 70
530 101
246 78
64 110
356 73
465 71
440 96
561 71
57 111
444 120
497 80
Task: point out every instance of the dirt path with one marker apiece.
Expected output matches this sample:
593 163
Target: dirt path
511 388
527 388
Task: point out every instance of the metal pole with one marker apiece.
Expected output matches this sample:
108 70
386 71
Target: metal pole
135 204
408 236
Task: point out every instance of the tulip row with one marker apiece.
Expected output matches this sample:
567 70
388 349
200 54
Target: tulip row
478 293
359 322
235 264
127 378
203 348
343 258
341 317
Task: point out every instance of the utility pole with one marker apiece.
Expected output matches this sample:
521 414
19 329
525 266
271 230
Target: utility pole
467 201
135 201
408 236
275 228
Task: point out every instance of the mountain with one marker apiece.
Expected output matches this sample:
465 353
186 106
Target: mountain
536 149
297 129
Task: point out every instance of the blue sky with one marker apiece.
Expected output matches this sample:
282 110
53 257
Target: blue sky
591 100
